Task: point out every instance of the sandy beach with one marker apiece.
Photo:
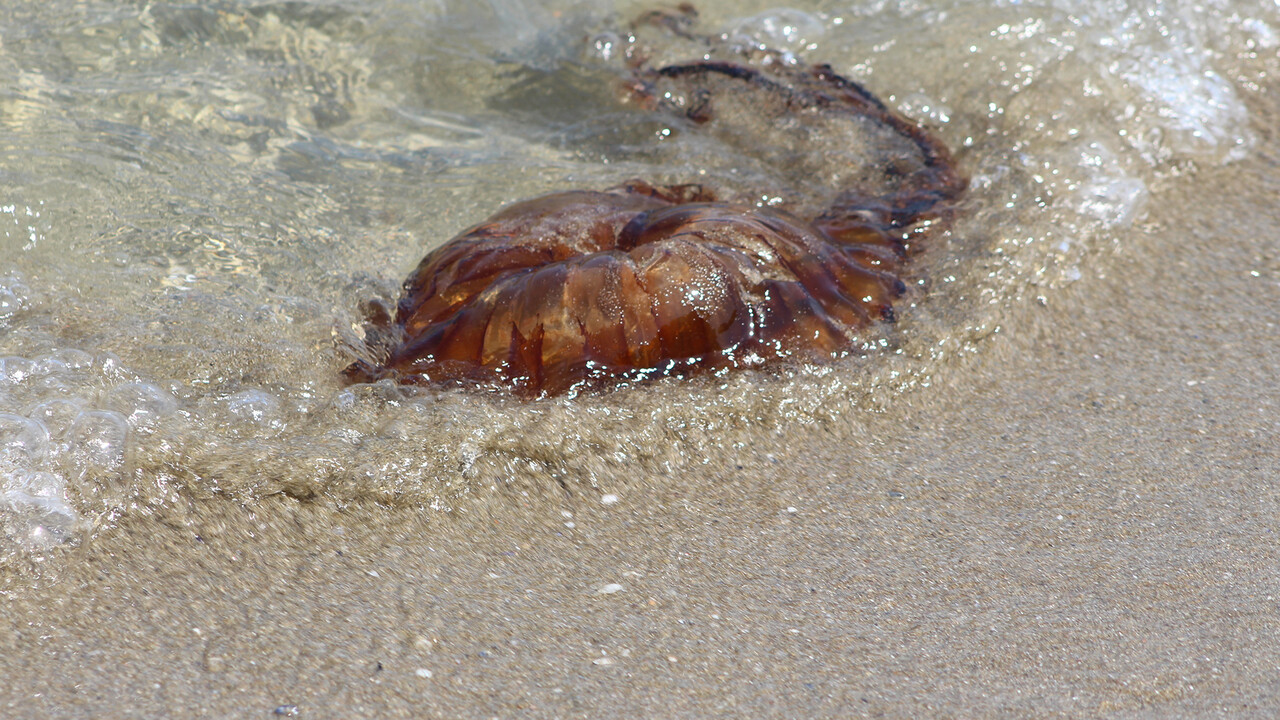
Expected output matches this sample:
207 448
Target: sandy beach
1079 522
1076 519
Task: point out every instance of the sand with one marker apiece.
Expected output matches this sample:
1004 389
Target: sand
1078 521
1075 518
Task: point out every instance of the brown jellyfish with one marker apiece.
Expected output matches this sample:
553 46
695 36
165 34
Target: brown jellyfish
581 289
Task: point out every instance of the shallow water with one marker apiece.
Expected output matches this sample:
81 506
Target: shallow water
197 199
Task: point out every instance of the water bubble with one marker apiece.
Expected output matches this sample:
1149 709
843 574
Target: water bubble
1111 194
180 390
13 296
1116 201
344 400
62 361
96 457
254 405
15 370
10 304
74 359
108 365
98 440
35 483
24 442
35 522
48 365
34 514
256 409
142 404
57 415
786 29
48 387
606 45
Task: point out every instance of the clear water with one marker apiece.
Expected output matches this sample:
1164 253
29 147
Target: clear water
197 198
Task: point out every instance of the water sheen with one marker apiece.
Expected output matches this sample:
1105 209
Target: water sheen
197 199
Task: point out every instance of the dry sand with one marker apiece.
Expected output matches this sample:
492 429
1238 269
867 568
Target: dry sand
1080 521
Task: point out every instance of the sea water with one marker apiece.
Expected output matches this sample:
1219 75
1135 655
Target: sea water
197 199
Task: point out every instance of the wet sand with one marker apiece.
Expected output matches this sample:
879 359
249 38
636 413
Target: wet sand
1080 520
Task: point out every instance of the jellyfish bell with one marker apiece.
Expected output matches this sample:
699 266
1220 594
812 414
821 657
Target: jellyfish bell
574 288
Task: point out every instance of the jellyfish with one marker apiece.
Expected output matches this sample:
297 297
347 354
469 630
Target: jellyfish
591 288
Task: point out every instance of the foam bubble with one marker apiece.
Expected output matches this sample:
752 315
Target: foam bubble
10 304
605 45
34 514
252 412
36 483
24 443
14 296
62 361
786 30
35 522
108 365
58 415
98 441
15 370
1109 193
142 404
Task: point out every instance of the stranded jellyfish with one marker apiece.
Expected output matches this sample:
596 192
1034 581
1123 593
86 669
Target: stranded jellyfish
587 288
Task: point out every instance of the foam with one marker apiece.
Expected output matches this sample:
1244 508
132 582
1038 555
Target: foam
1160 56
63 459
34 515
